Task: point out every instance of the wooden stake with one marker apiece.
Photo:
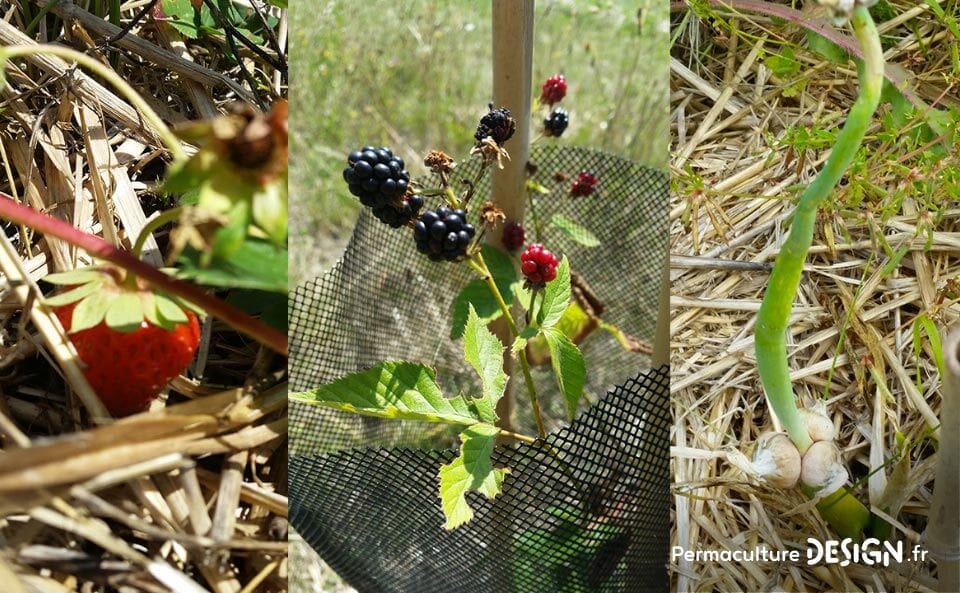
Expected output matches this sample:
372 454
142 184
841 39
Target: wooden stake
512 81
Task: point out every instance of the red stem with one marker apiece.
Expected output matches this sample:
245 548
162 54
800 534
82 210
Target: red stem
817 25
99 248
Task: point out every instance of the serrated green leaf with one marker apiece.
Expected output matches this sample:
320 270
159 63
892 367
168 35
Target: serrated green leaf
471 471
569 368
182 16
520 294
73 295
484 352
475 295
401 390
81 276
168 310
478 294
574 231
556 296
90 311
784 64
125 313
271 307
257 264
501 267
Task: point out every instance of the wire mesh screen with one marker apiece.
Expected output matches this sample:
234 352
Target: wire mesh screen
597 521
385 301
589 513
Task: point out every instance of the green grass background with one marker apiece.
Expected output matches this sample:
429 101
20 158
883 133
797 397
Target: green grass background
416 75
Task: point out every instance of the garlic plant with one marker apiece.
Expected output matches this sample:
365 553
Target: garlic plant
808 433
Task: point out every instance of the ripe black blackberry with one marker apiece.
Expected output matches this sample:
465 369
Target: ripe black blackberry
556 123
498 124
376 176
398 216
443 233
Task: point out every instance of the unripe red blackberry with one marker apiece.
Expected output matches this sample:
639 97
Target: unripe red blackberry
376 176
513 236
498 124
554 89
538 265
584 184
443 234
556 123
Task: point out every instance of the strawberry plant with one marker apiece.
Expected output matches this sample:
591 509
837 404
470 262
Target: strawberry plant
136 327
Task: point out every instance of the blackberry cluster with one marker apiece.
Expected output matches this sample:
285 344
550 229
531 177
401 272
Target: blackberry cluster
443 234
498 124
397 217
556 123
376 176
513 236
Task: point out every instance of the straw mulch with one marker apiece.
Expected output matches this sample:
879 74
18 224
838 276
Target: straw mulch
851 335
191 495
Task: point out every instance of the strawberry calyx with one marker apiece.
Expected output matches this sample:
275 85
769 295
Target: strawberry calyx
120 300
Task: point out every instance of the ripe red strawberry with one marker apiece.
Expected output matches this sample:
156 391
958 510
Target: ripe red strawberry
131 342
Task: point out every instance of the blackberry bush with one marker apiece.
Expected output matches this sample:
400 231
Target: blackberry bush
443 234
556 123
376 176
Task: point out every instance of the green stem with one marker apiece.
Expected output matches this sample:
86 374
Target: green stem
97 247
774 314
147 112
480 267
452 200
153 224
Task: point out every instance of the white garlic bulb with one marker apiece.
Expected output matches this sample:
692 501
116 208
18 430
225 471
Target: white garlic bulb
777 460
821 468
818 424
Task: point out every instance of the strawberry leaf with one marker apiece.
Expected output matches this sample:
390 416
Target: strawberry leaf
168 310
73 295
125 313
90 311
81 276
472 471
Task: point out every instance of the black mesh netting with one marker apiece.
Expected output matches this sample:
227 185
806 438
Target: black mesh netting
373 515
598 520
